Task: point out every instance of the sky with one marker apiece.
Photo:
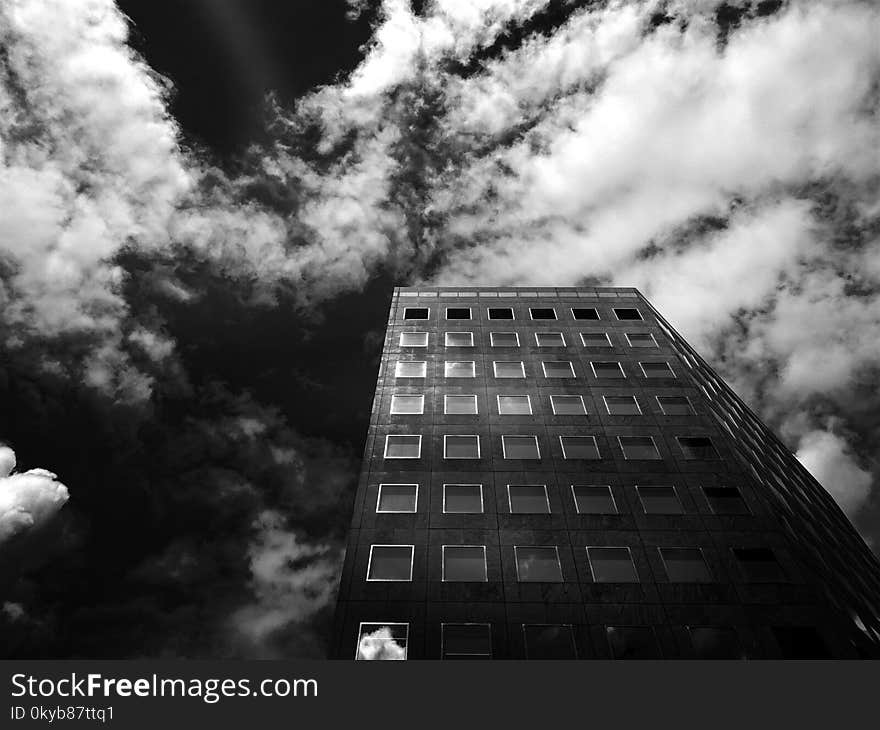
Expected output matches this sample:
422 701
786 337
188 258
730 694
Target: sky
205 205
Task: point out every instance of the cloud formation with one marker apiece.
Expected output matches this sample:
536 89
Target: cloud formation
28 499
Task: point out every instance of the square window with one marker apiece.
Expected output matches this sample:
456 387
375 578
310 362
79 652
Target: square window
528 499
465 563
632 642
407 404
558 369
549 641
416 312
622 405
459 339
463 499
514 405
458 312
593 500
460 405
657 370
403 447
595 339
759 565
660 500
413 339
584 313
638 447
459 369
726 501
609 369
537 564
715 642
627 314
697 447
397 498
411 369
579 447
675 405
461 447
800 642
520 447
685 565
568 405
542 313
500 312
612 565
549 339
641 339
508 369
466 641
504 339
390 562
382 642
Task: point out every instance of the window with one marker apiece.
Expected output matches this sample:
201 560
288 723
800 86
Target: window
500 313
459 369
660 500
675 405
407 404
410 369
715 642
528 499
537 564
508 369
382 642
584 313
632 642
759 565
413 339
638 447
395 498
542 313
403 447
725 501
579 447
461 447
607 369
549 339
697 447
459 339
657 370
622 405
514 405
558 369
460 405
504 339
800 642
463 498
549 641
568 405
595 339
458 312
593 500
466 641
627 314
612 565
416 312
465 563
641 339
390 562
520 447
685 565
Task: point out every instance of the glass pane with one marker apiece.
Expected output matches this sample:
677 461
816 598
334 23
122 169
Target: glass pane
660 500
413 339
568 405
458 313
520 447
464 641
508 369
607 370
397 497
415 313
462 447
632 642
641 340
458 369
697 447
461 404
711 642
382 642
514 405
459 339
579 447
528 499
593 500
412 369
500 313
627 314
726 501
657 370
759 565
685 565
639 447
612 565
558 369
464 563
584 313
595 339
504 339
622 405
549 641
407 404
542 312
672 405
402 447
538 564
390 562
463 498
550 339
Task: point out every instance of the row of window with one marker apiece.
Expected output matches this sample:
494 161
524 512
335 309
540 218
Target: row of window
467 446
624 314
541 564
595 499
413 404
511 339
517 369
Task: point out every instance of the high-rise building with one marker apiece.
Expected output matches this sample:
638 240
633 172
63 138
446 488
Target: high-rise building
556 473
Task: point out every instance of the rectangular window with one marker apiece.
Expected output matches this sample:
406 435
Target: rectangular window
465 563
660 500
459 339
632 642
463 499
568 405
579 447
627 314
461 447
460 405
403 447
411 369
675 405
500 313
549 339
595 339
407 404
520 447
697 447
382 642
558 369
514 405
584 313
542 313
537 564
622 405
612 565
685 565
657 370
609 369
641 339
504 339
726 501
638 447
592 499
458 312
394 498
466 641
390 562
549 641
508 369
715 642
459 369
759 565
416 312
528 499
413 339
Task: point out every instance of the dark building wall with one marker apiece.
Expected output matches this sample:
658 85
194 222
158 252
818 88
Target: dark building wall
827 580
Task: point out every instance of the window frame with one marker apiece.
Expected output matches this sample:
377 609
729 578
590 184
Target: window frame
380 624
444 624
715 456
634 400
657 377
400 342
555 549
446 338
527 396
648 334
412 554
542 319
571 634
619 364
711 575
598 457
640 318
632 562
462 458
546 499
639 487
673 415
469 318
610 494
748 510
423 363
746 579
420 412
416 319
608 342
492 339
462 484
446 396
444 579
568 395
396 511
543 334
447 363
391 435
522 367
501 319
573 375
520 435
597 318
659 456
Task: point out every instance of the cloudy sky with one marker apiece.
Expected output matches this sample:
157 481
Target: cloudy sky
204 205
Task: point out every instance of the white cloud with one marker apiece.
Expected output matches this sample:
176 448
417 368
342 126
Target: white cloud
380 645
28 499
828 458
